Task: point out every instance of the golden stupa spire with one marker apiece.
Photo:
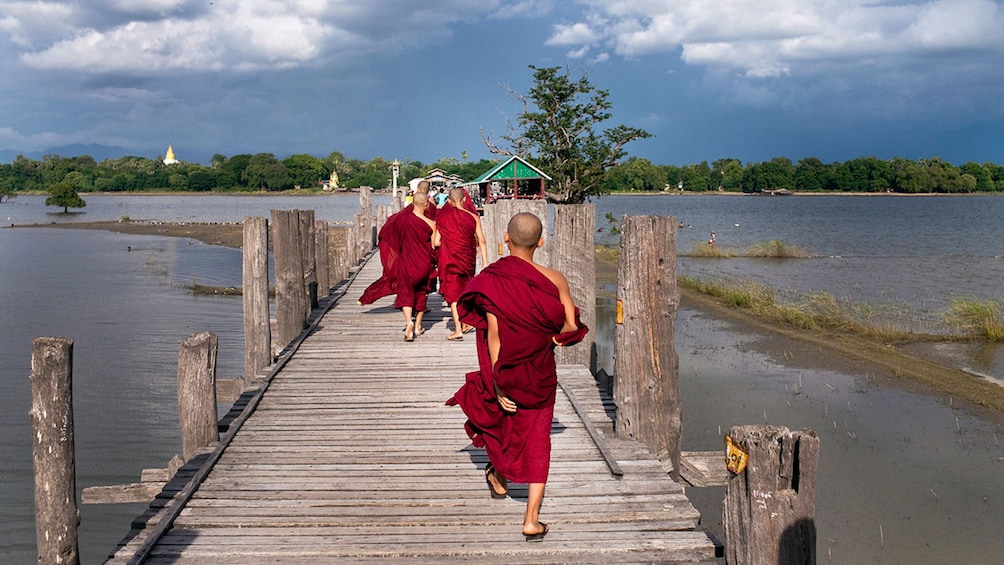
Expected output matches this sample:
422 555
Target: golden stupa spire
169 159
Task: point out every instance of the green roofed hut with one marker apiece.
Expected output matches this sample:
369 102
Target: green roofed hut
513 178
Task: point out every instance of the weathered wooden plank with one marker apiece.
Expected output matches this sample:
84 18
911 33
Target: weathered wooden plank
352 456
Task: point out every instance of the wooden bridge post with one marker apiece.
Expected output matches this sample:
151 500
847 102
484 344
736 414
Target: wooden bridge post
339 250
257 331
646 367
322 258
305 237
56 513
769 511
291 303
197 392
366 209
496 220
573 253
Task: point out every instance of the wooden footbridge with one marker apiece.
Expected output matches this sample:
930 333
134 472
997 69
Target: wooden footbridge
345 452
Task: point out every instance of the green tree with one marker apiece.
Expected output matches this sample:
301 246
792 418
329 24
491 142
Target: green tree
65 195
266 172
982 175
306 170
557 130
635 174
201 181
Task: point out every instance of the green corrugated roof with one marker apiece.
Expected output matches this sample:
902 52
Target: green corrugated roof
513 168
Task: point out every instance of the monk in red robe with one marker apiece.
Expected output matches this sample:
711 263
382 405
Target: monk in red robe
521 310
407 238
460 237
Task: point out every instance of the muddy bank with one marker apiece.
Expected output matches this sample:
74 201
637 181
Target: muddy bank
225 234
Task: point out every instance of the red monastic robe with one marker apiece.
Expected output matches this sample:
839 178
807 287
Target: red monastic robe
457 251
530 317
407 241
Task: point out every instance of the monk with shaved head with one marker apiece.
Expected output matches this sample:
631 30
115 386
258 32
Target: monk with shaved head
407 236
460 236
521 310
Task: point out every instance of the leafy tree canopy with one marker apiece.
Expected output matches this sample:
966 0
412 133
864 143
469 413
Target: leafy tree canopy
65 195
557 130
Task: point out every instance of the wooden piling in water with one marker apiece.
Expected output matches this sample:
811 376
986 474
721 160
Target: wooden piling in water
573 253
322 257
56 512
305 237
646 367
292 306
197 392
257 332
769 511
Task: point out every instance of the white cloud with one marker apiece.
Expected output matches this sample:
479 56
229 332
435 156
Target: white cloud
762 38
119 36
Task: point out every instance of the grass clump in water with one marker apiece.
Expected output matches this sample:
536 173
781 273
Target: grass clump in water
813 312
775 249
980 318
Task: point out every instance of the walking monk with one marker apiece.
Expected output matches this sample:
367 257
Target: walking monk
407 240
460 236
521 310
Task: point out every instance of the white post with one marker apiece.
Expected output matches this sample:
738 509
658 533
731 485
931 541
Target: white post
396 168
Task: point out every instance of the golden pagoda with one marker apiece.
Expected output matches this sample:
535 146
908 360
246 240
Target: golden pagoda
169 159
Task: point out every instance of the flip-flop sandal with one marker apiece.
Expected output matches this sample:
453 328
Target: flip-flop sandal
539 536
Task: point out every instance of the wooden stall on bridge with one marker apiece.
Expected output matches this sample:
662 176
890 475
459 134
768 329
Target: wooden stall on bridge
513 178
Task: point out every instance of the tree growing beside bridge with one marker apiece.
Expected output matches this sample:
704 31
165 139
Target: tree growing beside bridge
558 126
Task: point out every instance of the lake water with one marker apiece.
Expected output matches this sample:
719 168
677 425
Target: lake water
122 299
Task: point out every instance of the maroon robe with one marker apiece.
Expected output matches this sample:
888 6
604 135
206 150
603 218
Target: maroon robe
408 243
457 251
389 243
530 317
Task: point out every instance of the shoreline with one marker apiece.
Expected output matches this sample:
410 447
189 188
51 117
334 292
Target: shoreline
902 367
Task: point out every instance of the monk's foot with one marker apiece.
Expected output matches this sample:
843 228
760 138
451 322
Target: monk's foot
467 329
497 484
419 331
536 533
456 337
409 332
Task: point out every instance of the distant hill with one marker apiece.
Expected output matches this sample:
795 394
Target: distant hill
99 152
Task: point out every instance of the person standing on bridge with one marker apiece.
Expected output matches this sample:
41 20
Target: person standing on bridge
407 238
521 310
460 238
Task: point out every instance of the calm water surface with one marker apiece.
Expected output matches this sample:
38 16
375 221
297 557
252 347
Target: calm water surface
127 311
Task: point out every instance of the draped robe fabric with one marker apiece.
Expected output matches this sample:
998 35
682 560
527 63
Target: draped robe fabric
407 258
457 251
530 317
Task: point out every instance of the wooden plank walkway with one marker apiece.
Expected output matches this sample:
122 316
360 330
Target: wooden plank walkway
350 455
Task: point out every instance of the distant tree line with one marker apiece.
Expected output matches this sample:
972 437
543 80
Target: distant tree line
265 172
262 172
866 174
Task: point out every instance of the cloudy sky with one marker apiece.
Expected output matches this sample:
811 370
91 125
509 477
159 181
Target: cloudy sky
420 79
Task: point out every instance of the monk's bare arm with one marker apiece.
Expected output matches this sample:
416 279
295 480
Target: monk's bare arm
479 233
564 295
494 346
437 238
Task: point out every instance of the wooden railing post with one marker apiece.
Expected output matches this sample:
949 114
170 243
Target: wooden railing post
769 511
257 331
306 240
322 259
646 367
291 303
573 253
496 220
197 392
56 513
